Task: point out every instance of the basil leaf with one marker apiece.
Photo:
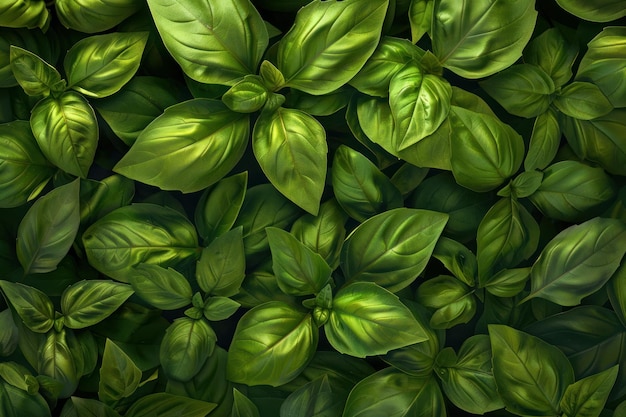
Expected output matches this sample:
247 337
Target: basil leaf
99 198
185 347
453 301
291 148
261 352
261 286
329 43
530 374
320 105
376 121
163 288
578 261
77 407
189 147
554 54
29 14
508 282
33 306
55 359
141 233
15 402
316 398
392 248
91 16
544 141
89 302
220 308
475 39
66 130
601 11
616 289
34 75
213 43
420 18
583 101
24 171
367 320
243 406
524 185
119 376
35 42
167 405
588 396
457 259
408 177
8 332
247 95
222 265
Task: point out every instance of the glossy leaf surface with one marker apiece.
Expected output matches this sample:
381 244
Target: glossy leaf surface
551 52
89 302
34 75
33 306
602 11
167 405
164 288
583 101
119 376
186 346
222 265
91 16
587 397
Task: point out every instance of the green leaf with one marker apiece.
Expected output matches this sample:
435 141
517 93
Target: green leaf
408 177
598 11
291 148
243 406
66 130
324 105
34 75
544 141
475 39
24 170
247 95
9 334
329 43
578 261
15 402
507 235
419 104
163 288
272 77
603 64
453 301
368 320
78 407
616 289
99 198
583 101
100 65
140 233
485 151
91 16
28 13
523 90
222 265
554 54
55 359
316 398
33 41
119 376
392 248
47 231
213 43
189 147
524 185
457 259
219 206
360 187
376 122
587 397
32 305
185 347
390 392
420 18
298 270
89 302
508 282
262 350
572 191
167 405
530 374
220 308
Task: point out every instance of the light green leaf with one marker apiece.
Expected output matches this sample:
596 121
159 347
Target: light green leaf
545 141
47 231
247 95
56 360
32 305
34 75
583 101
27 13
163 404
587 397
163 288
66 130
189 147
220 308
477 38
376 121
119 376
392 248
185 347
272 77
214 43
222 265
578 261
291 148
453 301
91 16
262 350
420 18
89 302
140 233
554 54
598 11
33 41
329 43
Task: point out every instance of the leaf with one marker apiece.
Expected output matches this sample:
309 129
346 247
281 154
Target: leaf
329 43
55 359
453 301
34 75
603 63
392 248
29 13
9 333
261 352
578 261
100 65
47 231
457 259
247 95
163 288
91 16
99 198
367 320
14 402
185 347
243 406
24 170
222 265
316 398
544 141
360 187
523 90
167 405
522 186
420 18
390 392
587 397
119 376
66 130
220 308
189 147
408 177
89 302
77 407
554 54
291 148
601 11
530 374
508 282
140 233
583 101
507 235
616 289
213 43
475 39
32 305
324 105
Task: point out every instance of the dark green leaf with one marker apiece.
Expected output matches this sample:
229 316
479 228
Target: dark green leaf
89 302
79 407
315 399
453 301
15 403
243 406
99 198
616 289
34 75
554 54
587 397
55 359
508 282
33 41
164 288
222 265
186 346
583 101
167 405
119 376
8 332
319 105
220 308
544 141
408 177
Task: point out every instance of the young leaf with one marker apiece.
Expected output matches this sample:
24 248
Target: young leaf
91 16
291 148
475 39
587 397
163 404
119 376
329 43
247 96
66 130
530 374
262 353
47 231
508 282
213 43
34 75
56 360
457 259
220 308
243 406
598 11
100 65
368 320
554 54
583 101
544 141
392 248
222 265
89 302
163 288
33 306
453 300
578 261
